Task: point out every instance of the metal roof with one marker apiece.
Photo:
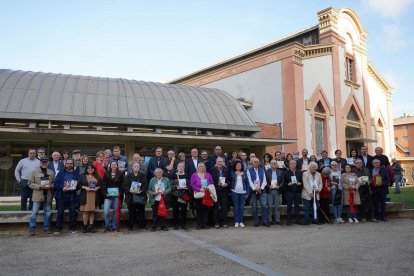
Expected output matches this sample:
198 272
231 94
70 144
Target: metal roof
46 96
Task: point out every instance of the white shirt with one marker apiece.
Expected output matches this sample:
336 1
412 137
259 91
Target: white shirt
238 189
195 163
252 185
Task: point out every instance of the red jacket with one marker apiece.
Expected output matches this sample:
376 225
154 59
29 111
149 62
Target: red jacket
325 193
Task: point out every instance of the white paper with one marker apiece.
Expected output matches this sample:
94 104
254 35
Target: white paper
182 183
273 184
293 179
222 181
314 185
281 164
350 161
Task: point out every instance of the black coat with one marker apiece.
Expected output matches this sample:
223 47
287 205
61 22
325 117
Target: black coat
280 177
189 167
141 178
215 173
155 163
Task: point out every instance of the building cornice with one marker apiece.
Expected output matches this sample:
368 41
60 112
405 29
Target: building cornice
380 80
318 50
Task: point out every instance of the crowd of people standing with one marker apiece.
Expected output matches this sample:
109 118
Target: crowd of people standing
208 185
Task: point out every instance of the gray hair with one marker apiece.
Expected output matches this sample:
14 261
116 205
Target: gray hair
313 164
158 170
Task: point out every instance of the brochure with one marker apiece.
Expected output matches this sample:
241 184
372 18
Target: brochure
135 187
70 184
364 179
92 185
45 182
314 185
280 164
294 179
350 161
182 184
204 183
222 181
273 184
121 164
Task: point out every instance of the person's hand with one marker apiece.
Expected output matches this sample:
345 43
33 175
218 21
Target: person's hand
290 184
87 189
65 189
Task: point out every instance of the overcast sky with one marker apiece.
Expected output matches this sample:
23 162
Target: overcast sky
162 40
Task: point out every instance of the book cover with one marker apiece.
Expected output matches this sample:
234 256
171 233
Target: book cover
204 183
135 187
92 185
294 179
113 191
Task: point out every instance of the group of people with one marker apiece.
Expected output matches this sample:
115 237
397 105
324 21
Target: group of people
208 185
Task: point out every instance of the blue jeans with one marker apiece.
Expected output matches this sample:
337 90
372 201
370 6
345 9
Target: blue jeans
262 198
308 204
35 211
337 209
397 182
273 200
61 205
26 193
238 204
110 203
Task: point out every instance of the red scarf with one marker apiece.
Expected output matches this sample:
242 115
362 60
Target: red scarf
351 202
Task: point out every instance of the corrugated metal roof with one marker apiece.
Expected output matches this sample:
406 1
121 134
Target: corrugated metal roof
58 97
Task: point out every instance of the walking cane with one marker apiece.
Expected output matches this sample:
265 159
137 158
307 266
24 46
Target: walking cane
315 208
326 217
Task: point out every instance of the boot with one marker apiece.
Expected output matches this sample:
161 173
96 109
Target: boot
85 229
91 228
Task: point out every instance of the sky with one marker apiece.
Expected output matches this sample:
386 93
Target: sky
163 40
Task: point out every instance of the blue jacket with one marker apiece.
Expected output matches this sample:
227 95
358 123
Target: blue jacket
59 183
245 180
121 158
385 180
51 166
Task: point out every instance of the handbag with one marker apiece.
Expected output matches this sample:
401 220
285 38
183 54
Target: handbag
207 200
162 209
139 199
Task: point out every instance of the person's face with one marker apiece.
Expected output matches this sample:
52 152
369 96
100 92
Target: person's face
100 157
304 153
347 169
90 170
180 168
338 154
283 154
313 158
324 155
202 168
135 168
76 156
243 156
32 154
273 164
219 163
234 155
116 152
334 167
378 151
353 153
289 157
194 153
65 155
364 150
358 164
136 157
171 154
266 158
218 151
292 164
252 155
376 163
43 164
312 169
41 153
69 165
114 165
85 160
238 167
158 152
204 155
56 156
277 155
158 174
256 163
141 159
182 157
107 154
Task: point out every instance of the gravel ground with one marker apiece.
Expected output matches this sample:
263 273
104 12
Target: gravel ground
348 249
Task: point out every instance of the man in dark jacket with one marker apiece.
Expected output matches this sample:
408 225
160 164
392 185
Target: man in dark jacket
365 190
56 165
366 158
192 163
65 194
157 161
380 184
274 178
221 177
293 190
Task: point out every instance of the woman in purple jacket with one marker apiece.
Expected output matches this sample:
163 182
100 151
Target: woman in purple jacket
199 182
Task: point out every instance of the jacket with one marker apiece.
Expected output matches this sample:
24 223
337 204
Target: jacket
60 182
116 182
367 164
83 182
34 184
60 166
385 180
245 180
141 178
325 193
156 162
307 188
190 168
346 190
280 182
215 173
295 188
151 188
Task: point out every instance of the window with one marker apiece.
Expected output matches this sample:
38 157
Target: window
319 134
352 115
349 70
404 127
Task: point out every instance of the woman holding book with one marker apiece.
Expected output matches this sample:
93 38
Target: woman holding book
112 190
239 191
199 183
89 183
136 187
336 192
350 183
180 197
159 187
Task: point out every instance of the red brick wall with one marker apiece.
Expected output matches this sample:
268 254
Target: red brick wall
270 131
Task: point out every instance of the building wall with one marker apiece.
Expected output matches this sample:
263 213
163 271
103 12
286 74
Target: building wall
262 86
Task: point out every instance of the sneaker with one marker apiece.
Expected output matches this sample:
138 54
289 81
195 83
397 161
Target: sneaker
350 220
374 220
225 226
130 229
31 232
73 231
341 220
92 229
236 225
356 220
58 232
85 229
337 221
47 231
241 225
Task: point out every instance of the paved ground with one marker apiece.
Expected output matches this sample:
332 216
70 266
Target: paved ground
362 249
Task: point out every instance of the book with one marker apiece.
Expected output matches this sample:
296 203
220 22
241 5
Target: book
70 184
335 179
92 185
45 182
273 184
222 181
314 185
352 181
350 161
121 164
326 162
364 179
280 164
113 191
204 183
293 179
182 184
135 187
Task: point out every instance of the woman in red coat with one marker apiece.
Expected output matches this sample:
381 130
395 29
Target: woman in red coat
324 196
